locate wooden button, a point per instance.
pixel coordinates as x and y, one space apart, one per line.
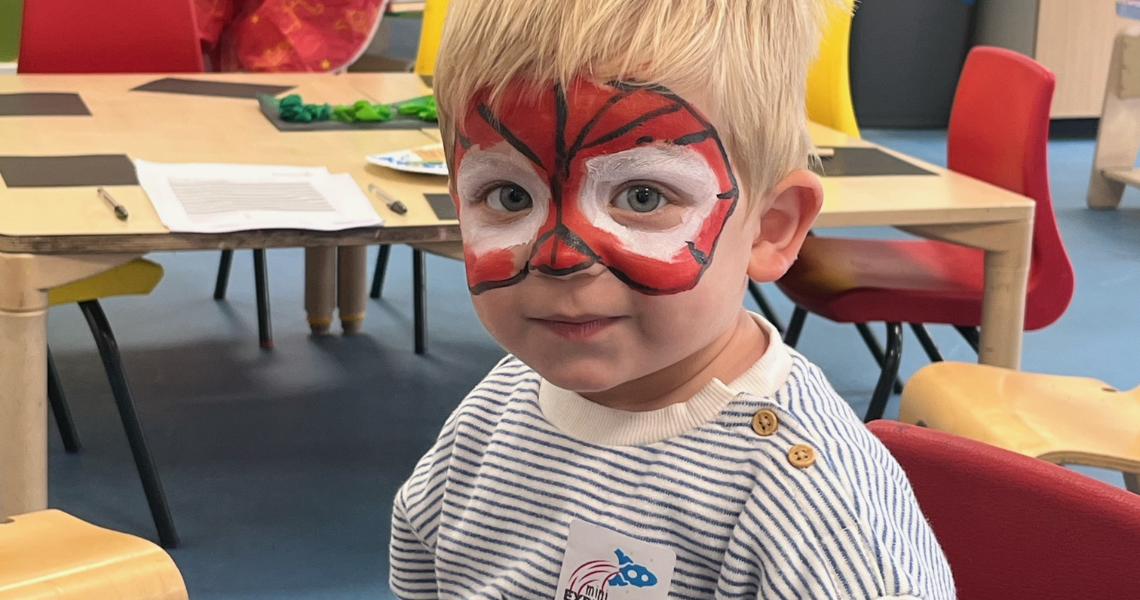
802 456
765 422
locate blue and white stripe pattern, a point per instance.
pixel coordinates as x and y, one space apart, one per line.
487 510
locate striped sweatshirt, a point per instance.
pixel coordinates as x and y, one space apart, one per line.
748 512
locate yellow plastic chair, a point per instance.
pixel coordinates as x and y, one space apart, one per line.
430 37
53 555
829 80
138 277
1059 419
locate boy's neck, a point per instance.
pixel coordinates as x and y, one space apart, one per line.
729 356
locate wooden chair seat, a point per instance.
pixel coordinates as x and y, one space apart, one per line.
1059 419
1118 131
51 555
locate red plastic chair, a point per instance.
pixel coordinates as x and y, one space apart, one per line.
1018 527
999 133
109 36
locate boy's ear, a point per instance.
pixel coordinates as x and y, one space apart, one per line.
793 205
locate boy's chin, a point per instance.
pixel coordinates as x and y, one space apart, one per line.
582 376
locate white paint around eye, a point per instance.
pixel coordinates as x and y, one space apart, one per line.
680 168
479 169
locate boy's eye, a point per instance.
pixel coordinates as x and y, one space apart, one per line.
509 198
640 198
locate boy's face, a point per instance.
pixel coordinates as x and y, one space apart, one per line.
604 232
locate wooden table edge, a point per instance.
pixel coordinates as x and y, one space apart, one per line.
282 238
959 216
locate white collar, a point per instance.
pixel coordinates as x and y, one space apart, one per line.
596 424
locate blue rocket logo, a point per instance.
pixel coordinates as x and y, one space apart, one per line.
631 573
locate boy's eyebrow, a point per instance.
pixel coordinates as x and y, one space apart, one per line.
510 137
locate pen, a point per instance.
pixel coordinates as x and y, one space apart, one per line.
393 204
120 210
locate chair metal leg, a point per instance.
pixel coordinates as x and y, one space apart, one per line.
889 374
971 335
420 300
765 307
223 274
381 271
261 283
60 409
1132 482
121 390
419 291
795 327
872 343
927 342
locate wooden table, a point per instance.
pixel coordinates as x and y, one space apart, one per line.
78 236
953 208
53 236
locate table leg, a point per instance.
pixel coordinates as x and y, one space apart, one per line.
1003 306
1008 249
24 281
23 396
352 292
320 288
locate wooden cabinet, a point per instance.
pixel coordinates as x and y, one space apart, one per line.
1071 37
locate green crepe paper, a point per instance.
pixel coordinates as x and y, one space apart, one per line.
423 108
293 109
362 110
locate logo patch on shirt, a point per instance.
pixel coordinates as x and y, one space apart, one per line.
601 564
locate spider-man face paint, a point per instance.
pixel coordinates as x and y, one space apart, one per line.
559 179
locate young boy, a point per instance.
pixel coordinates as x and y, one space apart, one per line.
620 167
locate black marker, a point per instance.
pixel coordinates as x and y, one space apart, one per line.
120 210
393 204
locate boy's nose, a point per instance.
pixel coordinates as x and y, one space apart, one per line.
562 253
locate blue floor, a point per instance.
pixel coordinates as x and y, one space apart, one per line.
280 466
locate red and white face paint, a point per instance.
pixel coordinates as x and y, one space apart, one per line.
632 177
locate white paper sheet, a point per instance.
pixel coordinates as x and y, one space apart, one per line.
219 198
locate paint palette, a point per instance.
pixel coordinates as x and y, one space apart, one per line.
428 160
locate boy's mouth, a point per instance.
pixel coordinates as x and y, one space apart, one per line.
577 327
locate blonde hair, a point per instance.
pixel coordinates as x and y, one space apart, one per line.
750 58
